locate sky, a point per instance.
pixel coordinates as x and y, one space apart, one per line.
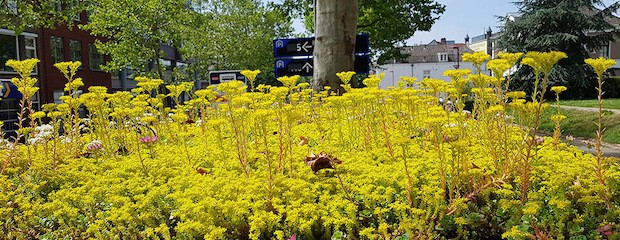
462 17
471 17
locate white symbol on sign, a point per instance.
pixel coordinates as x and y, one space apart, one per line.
279 44
307 67
280 64
304 47
6 90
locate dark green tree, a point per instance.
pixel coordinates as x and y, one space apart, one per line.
575 27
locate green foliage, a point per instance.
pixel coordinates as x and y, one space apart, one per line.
211 35
560 25
18 15
233 35
580 124
134 30
389 22
609 103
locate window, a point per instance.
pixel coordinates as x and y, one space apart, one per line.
58 50
442 57
603 51
31 47
57 95
96 59
75 50
427 74
8 50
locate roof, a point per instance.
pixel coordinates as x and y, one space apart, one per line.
428 52
613 20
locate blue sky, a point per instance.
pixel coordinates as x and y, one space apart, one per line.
467 17
462 17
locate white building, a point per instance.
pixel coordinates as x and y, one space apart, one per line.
426 61
394 71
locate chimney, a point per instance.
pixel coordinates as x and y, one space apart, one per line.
466 38
443 40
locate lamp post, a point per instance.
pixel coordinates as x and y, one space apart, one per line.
458 55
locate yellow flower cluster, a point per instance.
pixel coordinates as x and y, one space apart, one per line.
287 162
345 77
25 84
543 62
558 89
512 58
373 81
600 64
289 81
477 58
499 67
251 75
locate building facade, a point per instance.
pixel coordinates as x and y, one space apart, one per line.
484 43
426 61
12 46
69 44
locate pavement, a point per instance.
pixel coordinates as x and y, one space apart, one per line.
589 145
588 109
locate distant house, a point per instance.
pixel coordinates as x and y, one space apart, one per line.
484 43
425 61
609 50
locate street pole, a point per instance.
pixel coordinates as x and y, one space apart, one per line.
458 54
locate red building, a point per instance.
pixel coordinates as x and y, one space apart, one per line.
50 46
69 44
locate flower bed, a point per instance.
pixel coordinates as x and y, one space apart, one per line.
287 162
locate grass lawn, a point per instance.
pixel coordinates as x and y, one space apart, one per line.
581 124
612 103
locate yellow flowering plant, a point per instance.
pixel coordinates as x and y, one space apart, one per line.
345 77
286 162
600 66
251 75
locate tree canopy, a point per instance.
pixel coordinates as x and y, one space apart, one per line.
233 35
388 22
134 29
19 15
571 26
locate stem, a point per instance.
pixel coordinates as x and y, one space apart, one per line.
600 171
238 141
268 158
409 181
342 185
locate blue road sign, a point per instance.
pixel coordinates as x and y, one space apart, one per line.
9 90
292 47
305 66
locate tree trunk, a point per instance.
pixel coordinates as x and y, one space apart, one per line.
334 47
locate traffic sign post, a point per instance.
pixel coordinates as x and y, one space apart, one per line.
294 56
293 47
305 66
